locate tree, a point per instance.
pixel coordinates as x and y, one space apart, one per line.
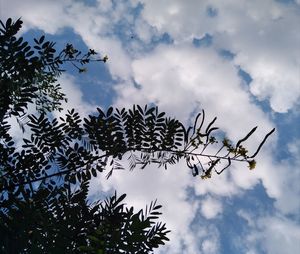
44 183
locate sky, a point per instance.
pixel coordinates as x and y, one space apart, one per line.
238 60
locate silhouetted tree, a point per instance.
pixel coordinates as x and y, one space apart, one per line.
44 179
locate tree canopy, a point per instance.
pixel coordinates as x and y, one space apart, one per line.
44 180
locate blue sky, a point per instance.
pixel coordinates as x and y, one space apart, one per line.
239 60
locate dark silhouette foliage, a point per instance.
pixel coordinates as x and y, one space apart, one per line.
44 179
29 73
60 220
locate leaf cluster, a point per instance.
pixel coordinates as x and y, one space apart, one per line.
124 231
29 73
62 221
198 140
78 149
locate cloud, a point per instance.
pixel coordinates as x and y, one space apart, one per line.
294 149
254 31
270 234
280 180
210 208
37 14
279 235
96 32
209 246
184 79
74 94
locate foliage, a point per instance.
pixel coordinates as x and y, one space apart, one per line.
61 221
125 231
53 215
44 179
29 74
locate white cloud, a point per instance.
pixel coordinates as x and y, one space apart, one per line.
280 180
271 234
105 5
294 148
221 185
144 30
255 31
36 14
96 32
209 246
280 235
182 78
75 97
211 207
246 216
